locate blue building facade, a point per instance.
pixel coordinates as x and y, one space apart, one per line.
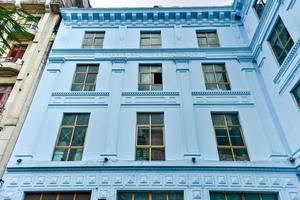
166 103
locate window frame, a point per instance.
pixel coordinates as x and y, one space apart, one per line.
230 146
214 72
215 31
57 193
150 193
83 45
84 84
151 45
70 147
152 77
297 102
255 7
272 32
242 193
150 146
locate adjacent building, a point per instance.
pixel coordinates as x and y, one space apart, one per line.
21 67
166 104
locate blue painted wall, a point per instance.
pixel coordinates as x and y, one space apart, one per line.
260 93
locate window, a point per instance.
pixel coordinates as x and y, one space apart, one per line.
150 136
85 77
58 196
150 77
208 39
93 39
230 141
150 39
16 53
70 142
296 93
242 196
215 76
259 7
5 91
159 195
281 41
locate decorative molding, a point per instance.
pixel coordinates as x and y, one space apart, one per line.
156 93
146 17
222 98
290 77
150 98
287 62
173 54
291 5
79 99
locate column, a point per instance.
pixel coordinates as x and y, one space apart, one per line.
266 113
114 108
189 131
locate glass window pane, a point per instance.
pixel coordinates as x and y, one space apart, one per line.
157 137
225 154
233 196
144 87
90 87
75 154
224 86
252 196
222 137
157 78
68 119
91 78
211 86
157 118
210 78
65 137
145 78
143 118
221 77
232 119
218 119
143 136
269 197
124 196
142 154
49 196
156 87
83 119
79 78
175 195
98 42
78 137
60 154
156 69
208 68
144 69
157 154
83 196
81 68
236 137
77 87
217 196
296 93
219 67
241 154
141 196
93 69
159 196
212 40
66 196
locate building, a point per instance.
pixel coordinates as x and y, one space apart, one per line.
21 67
165 103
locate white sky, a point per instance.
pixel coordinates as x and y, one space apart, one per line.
151 3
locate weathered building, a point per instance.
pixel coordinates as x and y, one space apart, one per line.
166 103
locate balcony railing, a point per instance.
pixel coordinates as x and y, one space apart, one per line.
10 66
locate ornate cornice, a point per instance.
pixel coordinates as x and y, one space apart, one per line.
132 17
157 93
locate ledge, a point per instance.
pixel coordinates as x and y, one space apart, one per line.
9 68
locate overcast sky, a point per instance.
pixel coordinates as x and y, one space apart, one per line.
150 3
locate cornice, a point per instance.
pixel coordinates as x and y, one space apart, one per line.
188 16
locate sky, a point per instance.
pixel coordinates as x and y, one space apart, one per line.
151 3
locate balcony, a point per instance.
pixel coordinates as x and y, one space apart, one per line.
34 6
10 66
8 4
